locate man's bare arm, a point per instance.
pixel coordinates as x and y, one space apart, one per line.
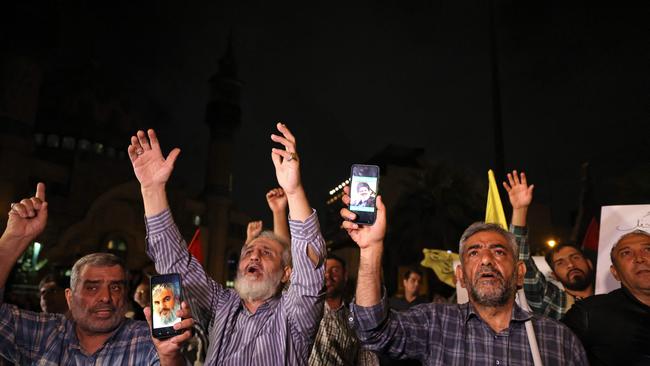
370 239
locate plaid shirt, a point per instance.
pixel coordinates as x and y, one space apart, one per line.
455 335
544 297
30 338
336 343
280 332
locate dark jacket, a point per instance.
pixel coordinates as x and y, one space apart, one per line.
614 328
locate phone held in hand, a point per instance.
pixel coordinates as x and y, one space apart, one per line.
364 185
166 299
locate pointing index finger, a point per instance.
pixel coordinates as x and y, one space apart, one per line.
40 191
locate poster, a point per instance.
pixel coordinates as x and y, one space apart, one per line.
616 221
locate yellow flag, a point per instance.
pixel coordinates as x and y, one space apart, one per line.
441 262
494 210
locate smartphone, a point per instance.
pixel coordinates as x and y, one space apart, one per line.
364 185
166 299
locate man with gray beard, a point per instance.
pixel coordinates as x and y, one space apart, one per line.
489 330
256 323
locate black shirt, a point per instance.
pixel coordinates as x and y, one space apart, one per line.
614 328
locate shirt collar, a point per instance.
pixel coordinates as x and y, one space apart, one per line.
269 304
518 314
327 307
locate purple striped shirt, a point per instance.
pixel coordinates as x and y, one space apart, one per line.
280 332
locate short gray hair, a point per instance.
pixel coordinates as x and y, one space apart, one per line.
480 226
623 237
286 246
97 260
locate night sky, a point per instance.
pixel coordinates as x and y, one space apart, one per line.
349 79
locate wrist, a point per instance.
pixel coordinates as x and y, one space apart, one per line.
173 359
155 200
372 251
152 189
519 216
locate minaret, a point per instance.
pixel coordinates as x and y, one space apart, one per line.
223 116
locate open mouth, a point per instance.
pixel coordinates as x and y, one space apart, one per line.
489 277
253 269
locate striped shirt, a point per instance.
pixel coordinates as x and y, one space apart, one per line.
30 338
280 332
544 297
337 344
452 334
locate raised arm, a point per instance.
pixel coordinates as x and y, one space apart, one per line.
165 245
400 334
253 229
27 219
306 294
370 239
277 201
520 195
20 329
543 297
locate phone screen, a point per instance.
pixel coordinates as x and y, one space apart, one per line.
364 185
166 299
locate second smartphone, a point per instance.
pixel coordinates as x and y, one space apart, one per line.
166 297
364 185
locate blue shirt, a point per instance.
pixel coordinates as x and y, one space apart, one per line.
30 338
452 334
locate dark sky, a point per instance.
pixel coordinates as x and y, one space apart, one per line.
349 79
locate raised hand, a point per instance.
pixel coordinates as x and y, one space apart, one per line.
366 236
277 200
27 218
149 165
286 162
253 229
519 192
169 350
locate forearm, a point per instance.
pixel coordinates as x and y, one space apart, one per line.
299 208
519 216
155 200
10 250
281 224
369 282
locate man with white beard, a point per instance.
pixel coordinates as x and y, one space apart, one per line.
164 302
256 323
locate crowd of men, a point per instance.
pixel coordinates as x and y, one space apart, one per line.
288 307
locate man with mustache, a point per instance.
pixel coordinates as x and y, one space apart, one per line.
164 304
256 323
569 265
96 332
489 330
336 343
615 327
